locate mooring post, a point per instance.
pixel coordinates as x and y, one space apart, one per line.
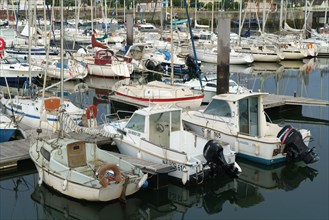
223 53
130 33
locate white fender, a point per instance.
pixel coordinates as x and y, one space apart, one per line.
64 186
142 181
139 155
40 178
184 177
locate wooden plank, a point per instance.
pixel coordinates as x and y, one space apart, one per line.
145 165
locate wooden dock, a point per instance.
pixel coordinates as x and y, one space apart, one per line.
272 100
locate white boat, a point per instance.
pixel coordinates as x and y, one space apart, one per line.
239 120
37 52
156 134
36 112
156 92
209 86
81 170
105 64
16 71
72 68
9 129
262 52
209 55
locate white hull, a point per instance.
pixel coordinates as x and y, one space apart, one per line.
117 70
59 168
235 58
27 111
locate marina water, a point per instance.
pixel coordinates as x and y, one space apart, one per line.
285 191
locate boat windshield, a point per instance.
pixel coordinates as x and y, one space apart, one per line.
136 123
218 108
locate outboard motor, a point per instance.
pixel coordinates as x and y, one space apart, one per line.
295 146
149 64
213 152
190 62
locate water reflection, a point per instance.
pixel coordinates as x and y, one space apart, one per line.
179 200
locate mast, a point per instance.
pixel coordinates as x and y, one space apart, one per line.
30 40
171 45
61 132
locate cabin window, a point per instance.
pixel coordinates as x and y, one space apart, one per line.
160 129
45 153
248 116
218 108
175 121
136 123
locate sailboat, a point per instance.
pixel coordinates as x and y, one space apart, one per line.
80 169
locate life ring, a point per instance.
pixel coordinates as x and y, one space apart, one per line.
103 180
91 111
309 45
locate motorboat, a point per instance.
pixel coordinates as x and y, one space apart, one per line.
81 170
156 134
209 86
15 71
239 120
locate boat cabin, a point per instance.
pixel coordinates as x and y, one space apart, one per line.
156 126
244 111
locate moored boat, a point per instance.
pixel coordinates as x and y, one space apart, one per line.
239 119
156 134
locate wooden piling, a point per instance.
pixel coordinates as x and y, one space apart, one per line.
223 53
130 33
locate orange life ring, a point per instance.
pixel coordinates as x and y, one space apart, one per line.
104 181
309 45
91 111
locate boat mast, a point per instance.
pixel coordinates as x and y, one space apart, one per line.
30 40
171 44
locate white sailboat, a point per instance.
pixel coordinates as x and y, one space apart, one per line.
80 169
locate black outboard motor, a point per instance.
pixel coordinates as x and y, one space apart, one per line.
213 152
190 62
149 64
295 146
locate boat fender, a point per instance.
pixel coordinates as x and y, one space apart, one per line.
40 178
64 186
184 177
103 180
309 45
91 111
139 155
142 181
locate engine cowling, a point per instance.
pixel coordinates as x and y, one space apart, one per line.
213 152
295 148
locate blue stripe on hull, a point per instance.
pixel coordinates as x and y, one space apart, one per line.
261 160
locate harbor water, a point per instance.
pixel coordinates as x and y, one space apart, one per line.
284 191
